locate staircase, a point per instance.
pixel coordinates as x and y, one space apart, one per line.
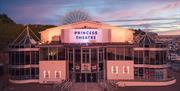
108 86
68 85
85 87
63 86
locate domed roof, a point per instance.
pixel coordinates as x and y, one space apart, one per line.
146 38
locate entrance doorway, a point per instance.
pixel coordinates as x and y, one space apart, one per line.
86 77
86 64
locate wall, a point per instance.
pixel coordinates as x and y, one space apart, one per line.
118 34
120 70
98 36
52 66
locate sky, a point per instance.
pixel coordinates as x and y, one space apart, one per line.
153 15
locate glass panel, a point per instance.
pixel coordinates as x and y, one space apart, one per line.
61 53
44 53
120 53
27 58
140 58
128 53
93 55
85 56
111 53
53 53
77 56
136 53
146 57
152 57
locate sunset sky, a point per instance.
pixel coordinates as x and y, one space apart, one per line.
156 15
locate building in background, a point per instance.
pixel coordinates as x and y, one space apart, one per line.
174 50
90 51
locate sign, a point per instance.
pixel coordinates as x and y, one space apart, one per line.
85 67
85 36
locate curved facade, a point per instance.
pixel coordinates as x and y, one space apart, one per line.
91 51
150 59
24 60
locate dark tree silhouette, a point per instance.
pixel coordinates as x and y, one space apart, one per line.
75 16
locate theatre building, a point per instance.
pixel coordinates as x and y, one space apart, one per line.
90 51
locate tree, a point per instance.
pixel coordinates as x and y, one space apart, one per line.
75 16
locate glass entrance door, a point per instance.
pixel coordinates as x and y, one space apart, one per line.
86 77
86 64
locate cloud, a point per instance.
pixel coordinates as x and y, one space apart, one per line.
164 9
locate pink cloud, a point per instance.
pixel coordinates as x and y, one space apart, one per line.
120 14
166 8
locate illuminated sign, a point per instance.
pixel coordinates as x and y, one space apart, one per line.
85 67
85 36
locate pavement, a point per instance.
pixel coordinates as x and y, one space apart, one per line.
85 87
5 86
174 87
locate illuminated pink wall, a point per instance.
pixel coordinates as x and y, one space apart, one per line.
102 36
120 70
118 34
52 66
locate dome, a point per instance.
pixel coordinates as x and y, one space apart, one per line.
25 38
146 38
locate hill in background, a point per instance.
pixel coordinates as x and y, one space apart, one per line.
173 32
5 19
9 30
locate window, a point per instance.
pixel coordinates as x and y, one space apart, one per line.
128 53
46 74
101 55
77 55
140 57
85 55
44 53
61 53
152 57
94 55
159 74
114 69
136 71
157 57
70 56
141 72
146 57
16 58
57 74
34 73
120 53
111 53
101 67
52 53
136 53
27 57
125 69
